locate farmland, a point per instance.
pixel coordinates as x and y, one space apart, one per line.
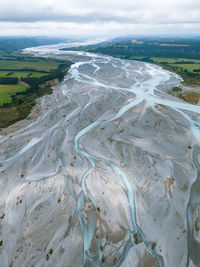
22 67
22 80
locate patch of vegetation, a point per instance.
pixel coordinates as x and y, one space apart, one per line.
176 89
8 116
188 96
191 97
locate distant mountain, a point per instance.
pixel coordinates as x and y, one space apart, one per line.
12 44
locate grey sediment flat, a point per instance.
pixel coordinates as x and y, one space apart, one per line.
107 174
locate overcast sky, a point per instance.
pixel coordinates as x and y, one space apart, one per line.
99 17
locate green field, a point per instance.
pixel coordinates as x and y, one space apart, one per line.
136 58
188 67
173 60
7 90
40 65
119 56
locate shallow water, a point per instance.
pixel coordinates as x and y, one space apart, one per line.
108 173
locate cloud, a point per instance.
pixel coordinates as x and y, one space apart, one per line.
104 15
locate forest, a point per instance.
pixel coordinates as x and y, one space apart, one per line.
9 45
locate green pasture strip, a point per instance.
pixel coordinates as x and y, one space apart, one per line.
136 58
173 60
120 56
22 74
188 67
4 73
40 65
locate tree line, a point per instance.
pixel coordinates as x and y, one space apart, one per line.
9 80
